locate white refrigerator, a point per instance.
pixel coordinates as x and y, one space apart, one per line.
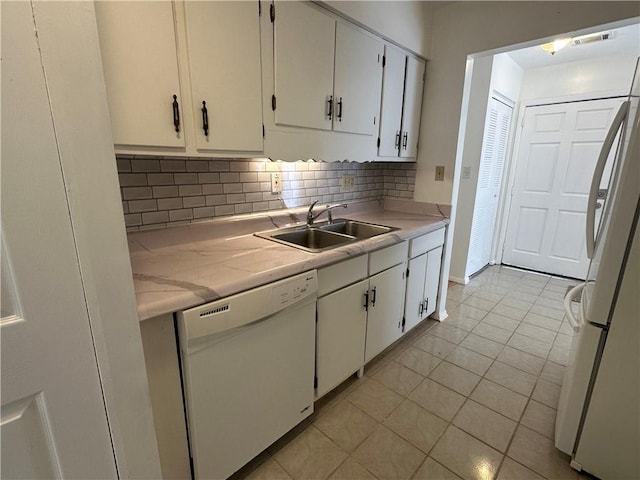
598 420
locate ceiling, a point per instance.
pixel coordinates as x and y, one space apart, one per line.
625 40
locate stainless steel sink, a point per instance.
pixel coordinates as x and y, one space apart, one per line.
356 229
324 236
313 238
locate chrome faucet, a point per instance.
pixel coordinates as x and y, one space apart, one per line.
311 217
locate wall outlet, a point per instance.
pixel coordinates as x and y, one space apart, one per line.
440 173
276 182
348 182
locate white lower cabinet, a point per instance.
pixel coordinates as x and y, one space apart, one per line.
423 278
360 308
340 335
386 301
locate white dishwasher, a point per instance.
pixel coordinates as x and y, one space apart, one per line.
248 369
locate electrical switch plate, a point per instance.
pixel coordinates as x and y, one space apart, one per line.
348 182
439 173
276 182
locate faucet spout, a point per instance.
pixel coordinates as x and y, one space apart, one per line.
311 217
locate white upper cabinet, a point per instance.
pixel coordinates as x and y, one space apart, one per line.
140 61
327 74
225 71
304 42
402 88
358 76
391 108
412 107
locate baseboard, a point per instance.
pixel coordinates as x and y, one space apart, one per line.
459 280
440 316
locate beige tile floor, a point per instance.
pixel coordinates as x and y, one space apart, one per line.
473 397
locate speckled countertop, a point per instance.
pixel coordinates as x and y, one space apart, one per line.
181 267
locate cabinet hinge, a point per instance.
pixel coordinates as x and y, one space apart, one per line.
272 12
374 119
378 142
315 381
273 103
404 322
384 60
259 8
407 273
263 130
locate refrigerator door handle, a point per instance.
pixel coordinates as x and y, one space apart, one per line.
575 292
597 177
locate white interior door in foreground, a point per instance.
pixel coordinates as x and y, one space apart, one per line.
54 423
556 157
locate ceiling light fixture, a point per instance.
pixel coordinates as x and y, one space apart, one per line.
553 47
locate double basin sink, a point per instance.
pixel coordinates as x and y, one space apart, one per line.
319 237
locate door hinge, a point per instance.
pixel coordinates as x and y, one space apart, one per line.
315 381
378 142
259 8
272 12
263 130
273 103
384 61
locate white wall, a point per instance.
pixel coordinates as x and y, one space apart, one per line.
68 39
506 77
463 28
597 77
407 23
491 74
472 149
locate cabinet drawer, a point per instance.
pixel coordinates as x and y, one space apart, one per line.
387 257
341 274
426 242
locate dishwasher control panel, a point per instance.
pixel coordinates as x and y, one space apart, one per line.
289 291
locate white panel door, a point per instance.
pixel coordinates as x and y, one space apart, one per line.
358 77
494 148
340 335
53 420
140 61
391 107
412 107
386 305
304 42
558 150
225 74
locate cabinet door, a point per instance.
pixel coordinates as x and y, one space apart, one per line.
304 41
386 305
140 61
391 108
341 330
414 299
358 75
224 63
434 259
414 83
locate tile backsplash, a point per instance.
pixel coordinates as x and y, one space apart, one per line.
161 191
